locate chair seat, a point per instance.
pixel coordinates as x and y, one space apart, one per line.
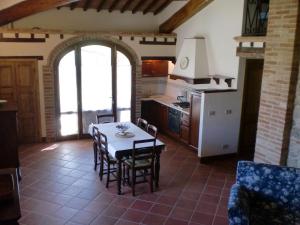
111 158
138 163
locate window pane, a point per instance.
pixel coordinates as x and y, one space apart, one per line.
68 94
96 78
123 86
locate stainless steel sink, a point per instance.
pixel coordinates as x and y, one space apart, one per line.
183 105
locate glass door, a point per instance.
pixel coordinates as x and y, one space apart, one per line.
92 79
68 114
124 88
96 83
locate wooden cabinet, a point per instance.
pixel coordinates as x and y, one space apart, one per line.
155 68
185 128
195 119
156 114
8 138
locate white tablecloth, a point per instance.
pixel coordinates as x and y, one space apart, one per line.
120 143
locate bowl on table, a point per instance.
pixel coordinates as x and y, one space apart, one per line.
122 127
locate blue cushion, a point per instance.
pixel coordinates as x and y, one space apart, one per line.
273 195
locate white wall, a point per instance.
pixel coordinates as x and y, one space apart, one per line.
219 22
90 20
155 85
218 128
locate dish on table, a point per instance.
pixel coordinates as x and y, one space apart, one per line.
125 134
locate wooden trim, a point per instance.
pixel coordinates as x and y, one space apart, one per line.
37 57
191 80
74 32
250 39
26 40
182 15
155 42
169 58
28 8
248 52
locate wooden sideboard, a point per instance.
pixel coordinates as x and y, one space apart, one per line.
9 157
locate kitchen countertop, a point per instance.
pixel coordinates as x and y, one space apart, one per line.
168 101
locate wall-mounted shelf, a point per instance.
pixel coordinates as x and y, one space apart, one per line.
191 80
204 80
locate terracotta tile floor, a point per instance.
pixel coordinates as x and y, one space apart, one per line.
60 186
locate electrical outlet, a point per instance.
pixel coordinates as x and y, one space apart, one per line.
212 113
228 111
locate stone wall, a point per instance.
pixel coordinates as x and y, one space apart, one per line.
294 149
279 83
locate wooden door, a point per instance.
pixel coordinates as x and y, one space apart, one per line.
7 82
251 101
19 85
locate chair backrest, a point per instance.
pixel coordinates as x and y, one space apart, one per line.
102 144
276 183
142 123
143 149
105 118
152 130
94 132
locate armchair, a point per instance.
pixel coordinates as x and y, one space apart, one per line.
265 195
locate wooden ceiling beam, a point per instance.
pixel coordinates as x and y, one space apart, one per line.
73 5
113 5
100 5
150 6
187 11
28 8
125 6
138 6
162 6
87 5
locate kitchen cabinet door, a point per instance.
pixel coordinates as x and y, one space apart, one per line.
155 68
195 119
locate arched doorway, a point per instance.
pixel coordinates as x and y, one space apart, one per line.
94 77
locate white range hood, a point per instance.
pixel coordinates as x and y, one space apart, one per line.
192 62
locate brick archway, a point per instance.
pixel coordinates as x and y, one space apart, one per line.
50 72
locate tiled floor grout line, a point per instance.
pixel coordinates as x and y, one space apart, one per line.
202 192
219 202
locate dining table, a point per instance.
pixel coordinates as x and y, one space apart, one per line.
120 146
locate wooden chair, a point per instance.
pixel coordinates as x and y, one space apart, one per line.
105 118
10 211
95 146
142 159
106 159
142 123
152 130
